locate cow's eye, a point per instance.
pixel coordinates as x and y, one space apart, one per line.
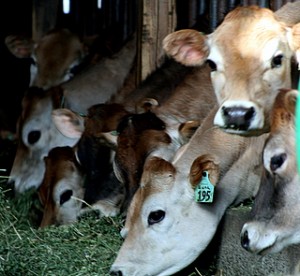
277 161
65 196
212 65
33 136
277 61
156 216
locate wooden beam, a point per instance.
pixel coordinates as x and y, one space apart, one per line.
158 19
44 15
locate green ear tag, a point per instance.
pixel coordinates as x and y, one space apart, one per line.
204 192
114 133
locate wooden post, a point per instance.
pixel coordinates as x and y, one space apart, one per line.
44 14
158 18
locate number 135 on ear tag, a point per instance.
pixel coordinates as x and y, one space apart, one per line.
204 192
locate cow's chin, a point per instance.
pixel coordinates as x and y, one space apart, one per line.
242 132
274 249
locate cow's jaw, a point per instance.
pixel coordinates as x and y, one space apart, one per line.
274 231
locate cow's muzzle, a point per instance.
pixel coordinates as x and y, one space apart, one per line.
239 117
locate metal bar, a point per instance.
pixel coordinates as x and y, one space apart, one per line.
213 14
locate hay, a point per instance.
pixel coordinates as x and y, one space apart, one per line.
87 247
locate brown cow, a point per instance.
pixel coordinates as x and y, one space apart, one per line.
276 210
54 56
62 188
175 97
250 56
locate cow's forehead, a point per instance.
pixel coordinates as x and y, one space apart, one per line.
154 185
248 34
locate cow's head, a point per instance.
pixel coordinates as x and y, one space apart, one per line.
54 56
250 58
37 135
276 211
62 191
138 136
162 222
143 135
95 151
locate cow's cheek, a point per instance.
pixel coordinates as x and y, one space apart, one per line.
218 82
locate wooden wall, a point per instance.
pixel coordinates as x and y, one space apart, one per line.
157 19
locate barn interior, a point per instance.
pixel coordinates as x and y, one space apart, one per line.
115 21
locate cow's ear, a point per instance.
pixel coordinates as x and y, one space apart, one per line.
68 123
146 104
188 129
290 101
188 47
158 173
203 163
19 45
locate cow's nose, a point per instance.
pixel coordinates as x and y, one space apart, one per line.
116 273
238 117
245 240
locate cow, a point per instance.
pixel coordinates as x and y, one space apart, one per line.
138 136
164 225
36 132
54 56
250 55
61 53
175 112
62 189
274 223
91 158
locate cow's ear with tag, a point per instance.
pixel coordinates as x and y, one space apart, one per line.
68 123
204 163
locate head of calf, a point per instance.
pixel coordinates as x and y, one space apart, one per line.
138 136
250 56
62 188
160 217
37 135
276 211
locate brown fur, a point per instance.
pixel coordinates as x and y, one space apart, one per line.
59 163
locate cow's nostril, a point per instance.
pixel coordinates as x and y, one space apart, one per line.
245 240
116 273
249 113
